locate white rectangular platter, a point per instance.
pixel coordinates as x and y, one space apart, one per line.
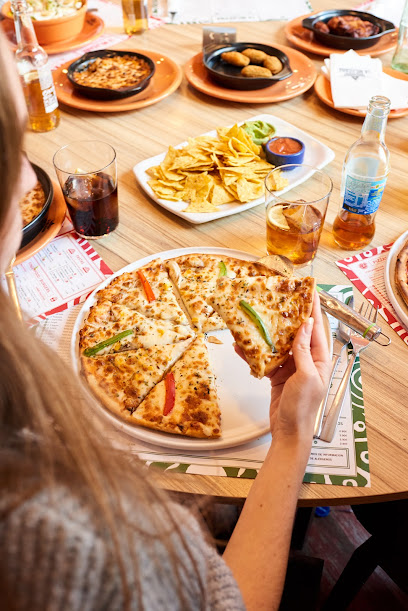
317 155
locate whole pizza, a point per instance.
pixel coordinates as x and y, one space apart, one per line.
401 272
143 344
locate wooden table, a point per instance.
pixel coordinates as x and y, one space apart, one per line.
145 228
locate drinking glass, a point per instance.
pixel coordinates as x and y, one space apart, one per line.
294 219
135 16
87 174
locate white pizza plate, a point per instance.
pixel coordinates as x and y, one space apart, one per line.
244 399
397 302
317 155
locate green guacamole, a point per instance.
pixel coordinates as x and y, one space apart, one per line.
259 131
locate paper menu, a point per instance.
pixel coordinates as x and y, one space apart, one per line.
62 274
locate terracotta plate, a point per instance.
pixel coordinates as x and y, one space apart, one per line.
93 27
323 91
55 218
165 81
304 39
303 77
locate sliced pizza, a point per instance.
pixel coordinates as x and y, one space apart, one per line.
32 204
401 273
112 327
122 380
264 314
147 290
185 401
195 277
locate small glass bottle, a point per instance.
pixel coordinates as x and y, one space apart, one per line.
35 74
365 172
400 59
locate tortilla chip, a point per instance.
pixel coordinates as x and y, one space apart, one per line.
211 171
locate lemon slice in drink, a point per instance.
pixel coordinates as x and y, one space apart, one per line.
277 218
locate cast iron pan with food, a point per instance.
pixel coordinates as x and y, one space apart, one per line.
347 42
100 93
229 76
35 226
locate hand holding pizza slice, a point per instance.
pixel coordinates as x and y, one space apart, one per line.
264 315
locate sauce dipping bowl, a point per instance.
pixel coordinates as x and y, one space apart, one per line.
282 157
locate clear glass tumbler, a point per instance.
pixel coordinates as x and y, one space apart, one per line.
87 173
135 16
295 218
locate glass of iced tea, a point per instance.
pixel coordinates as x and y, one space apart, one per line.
295 215
87 174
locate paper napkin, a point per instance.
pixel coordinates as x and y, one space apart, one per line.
356 78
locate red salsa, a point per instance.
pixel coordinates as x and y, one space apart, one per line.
285 146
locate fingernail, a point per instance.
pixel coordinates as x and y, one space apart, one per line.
309 326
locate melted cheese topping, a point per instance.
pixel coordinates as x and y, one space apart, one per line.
118 72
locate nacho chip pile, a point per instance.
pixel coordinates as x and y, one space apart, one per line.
211 171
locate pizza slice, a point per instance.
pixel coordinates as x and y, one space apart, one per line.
121 381
147 290
401 273
185 401
264 314
195 277
112 327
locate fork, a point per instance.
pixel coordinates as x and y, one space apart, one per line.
339 343
359 343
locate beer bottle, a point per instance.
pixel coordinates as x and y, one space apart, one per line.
365 171
35 74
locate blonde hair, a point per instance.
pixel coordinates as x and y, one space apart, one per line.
46 438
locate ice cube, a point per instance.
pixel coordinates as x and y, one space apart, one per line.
302 218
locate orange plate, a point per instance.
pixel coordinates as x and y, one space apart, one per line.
304 75
93 28
165 81
323 92
304 39
55 218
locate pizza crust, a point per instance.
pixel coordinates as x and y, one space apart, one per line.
401 273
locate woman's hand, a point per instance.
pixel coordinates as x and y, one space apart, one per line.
299 385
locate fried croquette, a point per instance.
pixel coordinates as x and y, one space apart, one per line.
235 58
255 56
256 72
273 64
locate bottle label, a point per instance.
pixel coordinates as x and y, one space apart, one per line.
363 196
48 89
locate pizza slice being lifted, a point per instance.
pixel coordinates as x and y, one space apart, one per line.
122 380
185 401
264 314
